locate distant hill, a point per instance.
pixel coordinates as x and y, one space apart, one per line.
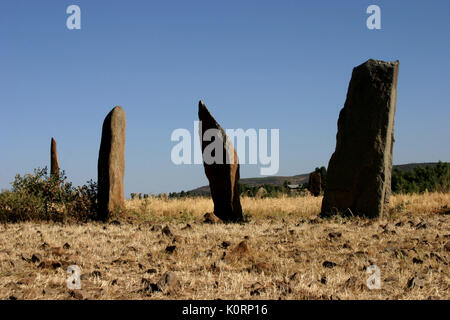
298 179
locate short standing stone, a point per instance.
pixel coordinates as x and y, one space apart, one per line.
111 164
315 183
223 177
261 193
359 171
54 163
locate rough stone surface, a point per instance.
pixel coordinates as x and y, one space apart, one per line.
261 193
359 171
111 164
54 163
223 178
169 283
315 183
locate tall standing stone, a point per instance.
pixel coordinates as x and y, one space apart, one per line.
111 164
315 183
359 171
54 163
223 177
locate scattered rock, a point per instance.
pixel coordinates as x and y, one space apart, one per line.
115 223
225 244
25 281
24 258
256 289
323 280
391 279
417 261
399 224
170 249
156 227
422 225
49 265
211 218
58 251
284 288
295 277
36 257
76 294
66 246
167 232
150 271
351 282
447 246
262 267
415 282
329 264
169 283
96 273
334 235
187 227
242 249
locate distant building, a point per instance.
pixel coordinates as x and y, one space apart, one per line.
293 187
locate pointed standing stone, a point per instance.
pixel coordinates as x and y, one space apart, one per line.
359 171
223 177
111 164
54 163
315 183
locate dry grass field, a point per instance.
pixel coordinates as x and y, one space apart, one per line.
164 250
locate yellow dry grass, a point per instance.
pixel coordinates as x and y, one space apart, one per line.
289 253
193 209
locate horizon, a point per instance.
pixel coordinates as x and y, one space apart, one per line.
257 64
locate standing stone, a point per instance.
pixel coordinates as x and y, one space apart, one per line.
359 171
223 177
54 163
111 164
261 193
315 183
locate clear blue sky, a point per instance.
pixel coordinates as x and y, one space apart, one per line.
256 64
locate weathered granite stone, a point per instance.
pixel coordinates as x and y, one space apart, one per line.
111 164
315 183
223 177
359 171
261 193
54 163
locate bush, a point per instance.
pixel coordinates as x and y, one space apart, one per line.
40 196
431 178
82 204
17 206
